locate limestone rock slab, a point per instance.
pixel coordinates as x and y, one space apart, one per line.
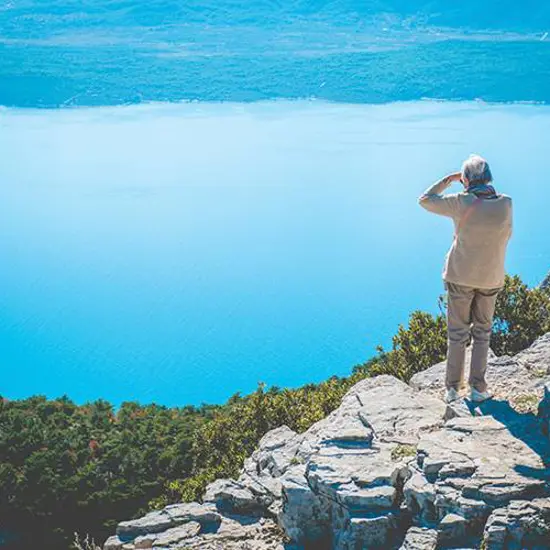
420 538
154 522
522 524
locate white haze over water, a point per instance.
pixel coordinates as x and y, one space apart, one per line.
179 253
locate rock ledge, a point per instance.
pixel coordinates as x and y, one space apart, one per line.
392 467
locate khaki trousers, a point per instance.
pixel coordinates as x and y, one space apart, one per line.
469 311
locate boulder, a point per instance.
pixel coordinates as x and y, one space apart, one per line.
351 484
369 531
239 533
175 535
304 515
231 496
521 524
144 541
452 528
113 543
257 491
193 511
472 466
154 522
536 358
460 407
274 454
420 538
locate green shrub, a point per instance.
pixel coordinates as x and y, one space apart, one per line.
522 315
65 467
402 451
414 348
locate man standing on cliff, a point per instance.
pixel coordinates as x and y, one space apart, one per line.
474 268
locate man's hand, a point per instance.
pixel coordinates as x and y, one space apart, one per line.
455 176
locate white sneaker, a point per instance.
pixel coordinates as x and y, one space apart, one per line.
451 395
479 396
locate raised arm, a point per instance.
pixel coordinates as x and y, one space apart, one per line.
433 199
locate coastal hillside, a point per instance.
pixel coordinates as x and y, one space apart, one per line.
392 467
67 468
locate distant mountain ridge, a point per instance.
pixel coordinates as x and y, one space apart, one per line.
54 54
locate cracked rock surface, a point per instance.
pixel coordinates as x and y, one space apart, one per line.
393 467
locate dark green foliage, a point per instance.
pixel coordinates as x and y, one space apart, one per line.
67 468
522 315
417 347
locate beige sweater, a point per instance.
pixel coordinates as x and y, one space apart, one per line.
482 231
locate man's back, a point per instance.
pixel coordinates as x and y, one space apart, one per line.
483 227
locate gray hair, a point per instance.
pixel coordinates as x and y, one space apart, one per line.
476 169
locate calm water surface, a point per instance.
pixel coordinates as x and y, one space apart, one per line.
266 227
180 253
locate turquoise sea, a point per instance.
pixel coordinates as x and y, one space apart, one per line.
195 197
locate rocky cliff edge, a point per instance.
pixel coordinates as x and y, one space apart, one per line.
392 467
